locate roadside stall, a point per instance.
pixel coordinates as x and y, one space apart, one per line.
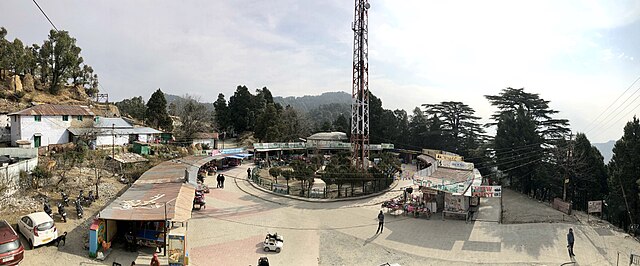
178 247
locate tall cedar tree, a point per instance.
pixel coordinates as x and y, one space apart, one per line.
461 131
221 113
525 131
156 115
623 176
241 110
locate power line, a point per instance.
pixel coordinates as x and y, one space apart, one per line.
603 126
45 15
612 103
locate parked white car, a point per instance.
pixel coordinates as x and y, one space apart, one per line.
272 245
38 228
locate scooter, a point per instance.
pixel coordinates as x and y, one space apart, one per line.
48 209
79 210
90 198
65 198
199 200
62 212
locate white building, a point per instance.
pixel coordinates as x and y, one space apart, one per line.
204 138
5 128
115 131
48 123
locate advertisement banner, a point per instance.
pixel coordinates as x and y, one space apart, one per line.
448 157
595 206
455 165
486 191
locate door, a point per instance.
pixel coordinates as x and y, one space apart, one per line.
36 141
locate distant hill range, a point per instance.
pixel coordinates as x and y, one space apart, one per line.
175 99
606 149
310 102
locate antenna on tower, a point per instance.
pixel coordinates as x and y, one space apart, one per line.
360 88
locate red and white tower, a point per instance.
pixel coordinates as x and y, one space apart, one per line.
360 89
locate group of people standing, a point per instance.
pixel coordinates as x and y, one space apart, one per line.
220 179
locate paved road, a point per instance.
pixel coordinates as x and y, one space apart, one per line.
230 231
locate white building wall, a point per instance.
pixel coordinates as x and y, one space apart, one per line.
15 129
5 128
108 140
10 174
51 129
209 142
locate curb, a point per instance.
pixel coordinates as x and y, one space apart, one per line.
390 188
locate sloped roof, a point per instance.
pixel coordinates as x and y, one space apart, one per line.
52 109
205 135
336 136
108 122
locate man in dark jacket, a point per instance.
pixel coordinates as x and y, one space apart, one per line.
218 181
222 181
380 222
570 241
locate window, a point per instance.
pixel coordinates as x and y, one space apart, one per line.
37 118
79 118
65 118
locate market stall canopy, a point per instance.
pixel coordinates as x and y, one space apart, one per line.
426 159
152 202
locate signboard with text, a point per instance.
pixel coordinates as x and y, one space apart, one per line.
594 206
448 157
486 191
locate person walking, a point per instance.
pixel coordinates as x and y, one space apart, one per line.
218 181
222 181
249 173
570 241
155 261
380 222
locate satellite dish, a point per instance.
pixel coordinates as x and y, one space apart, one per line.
367 5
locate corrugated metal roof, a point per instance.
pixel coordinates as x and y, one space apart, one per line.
146 130
52 109
108 131
152 202
161 185
328 136
109 122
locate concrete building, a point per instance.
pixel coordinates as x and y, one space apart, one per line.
114 131
208 139
5 128
48 123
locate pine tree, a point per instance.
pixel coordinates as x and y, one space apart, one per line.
623 177
156 114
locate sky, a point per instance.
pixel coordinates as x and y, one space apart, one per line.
579 55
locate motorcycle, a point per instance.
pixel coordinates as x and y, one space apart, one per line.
48 209
65 198
79 210
90 198
199 200
62 212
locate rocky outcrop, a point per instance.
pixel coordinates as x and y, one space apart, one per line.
16 84
28 83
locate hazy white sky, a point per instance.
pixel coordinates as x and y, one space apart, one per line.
580 55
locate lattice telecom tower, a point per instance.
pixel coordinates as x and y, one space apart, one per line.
360 89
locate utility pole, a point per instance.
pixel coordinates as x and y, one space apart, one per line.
113 141
567 167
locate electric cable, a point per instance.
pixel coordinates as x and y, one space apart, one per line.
45 15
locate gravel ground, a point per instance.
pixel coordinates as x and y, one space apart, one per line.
518 208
